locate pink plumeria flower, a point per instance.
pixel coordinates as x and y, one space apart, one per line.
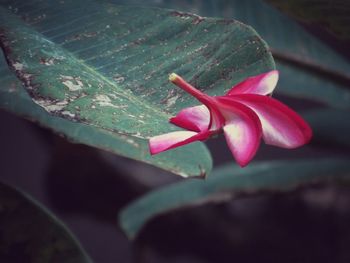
244 114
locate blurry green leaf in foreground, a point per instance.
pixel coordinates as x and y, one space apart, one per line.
334 15
107 66
229 181
29 233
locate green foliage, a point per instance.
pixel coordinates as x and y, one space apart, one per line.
333 15
186 161
230 181
309 68
106 71
29 233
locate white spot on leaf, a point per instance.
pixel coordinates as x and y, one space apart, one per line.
47 61
51 106
18 66
72 115
171 101
105 101
72 83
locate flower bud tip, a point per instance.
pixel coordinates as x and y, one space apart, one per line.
173 77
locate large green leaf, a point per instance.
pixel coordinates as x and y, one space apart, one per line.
29 233
185 161
309 68
230 181
107 66
333 15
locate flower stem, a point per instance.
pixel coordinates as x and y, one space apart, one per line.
181 83
216 119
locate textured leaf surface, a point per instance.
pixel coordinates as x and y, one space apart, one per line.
186 161
309 68
114 72
334 15
107 65
230 181
29 233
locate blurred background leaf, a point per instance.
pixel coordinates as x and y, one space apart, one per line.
331 128
231 181
333 15
30 233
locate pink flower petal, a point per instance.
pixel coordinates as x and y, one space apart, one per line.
194 118
216 120
262 84
172 140
242 130
281 125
